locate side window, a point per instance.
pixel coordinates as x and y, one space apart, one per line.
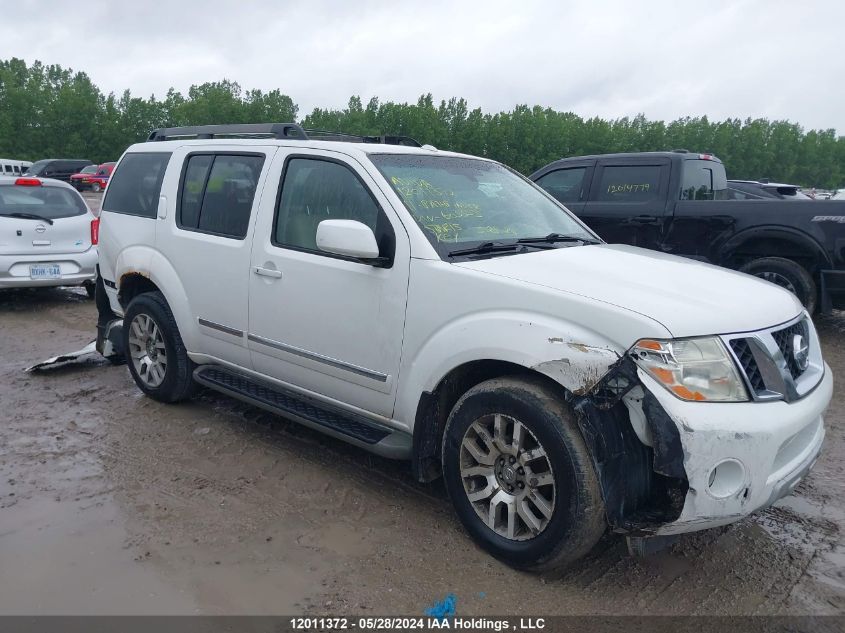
314 190
217 193
8 169
136 185
17 170
628 183
697 182
564 184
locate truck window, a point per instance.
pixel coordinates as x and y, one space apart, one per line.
217 193
136 185
628 183
315 190
565 185
703 180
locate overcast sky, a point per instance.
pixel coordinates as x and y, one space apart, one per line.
781 60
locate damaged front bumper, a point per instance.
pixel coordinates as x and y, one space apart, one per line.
739 457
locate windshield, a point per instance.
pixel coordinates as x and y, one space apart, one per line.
45 202
89 170
470 202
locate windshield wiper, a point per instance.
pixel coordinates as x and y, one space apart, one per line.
551 238
486 247
28 216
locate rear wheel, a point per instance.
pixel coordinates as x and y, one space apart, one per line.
788 275
520 475
157 358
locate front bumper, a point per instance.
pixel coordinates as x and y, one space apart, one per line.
774 443
76 269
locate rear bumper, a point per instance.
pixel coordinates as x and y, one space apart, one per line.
76 269
769 446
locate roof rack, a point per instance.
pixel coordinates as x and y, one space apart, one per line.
281 131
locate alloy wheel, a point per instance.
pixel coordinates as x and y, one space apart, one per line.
507 477
147 350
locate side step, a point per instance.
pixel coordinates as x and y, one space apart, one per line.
352 428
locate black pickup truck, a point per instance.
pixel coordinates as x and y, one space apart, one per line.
678 202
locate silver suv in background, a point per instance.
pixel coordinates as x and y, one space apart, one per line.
48 236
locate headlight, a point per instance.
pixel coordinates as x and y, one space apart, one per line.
692 369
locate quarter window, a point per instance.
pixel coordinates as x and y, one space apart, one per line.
136 185
217 193
317 190
629 183
564 184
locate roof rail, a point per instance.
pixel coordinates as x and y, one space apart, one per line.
282 131
276 130
385 139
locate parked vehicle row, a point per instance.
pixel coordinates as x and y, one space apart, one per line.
92 177
437 307
12 167
681 203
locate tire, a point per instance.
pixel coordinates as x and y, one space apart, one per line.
574 520
786 274
91 289
96 188
172 380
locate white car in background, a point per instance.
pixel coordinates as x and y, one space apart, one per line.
839 195
48 235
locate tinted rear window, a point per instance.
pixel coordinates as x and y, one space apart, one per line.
135 186
629 183
47 202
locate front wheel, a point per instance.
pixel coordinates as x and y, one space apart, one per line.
788 275
157 358
520 475
96 188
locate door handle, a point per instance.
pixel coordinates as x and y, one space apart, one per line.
644 219
267 272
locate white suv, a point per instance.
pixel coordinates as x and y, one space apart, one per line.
48 236
437 307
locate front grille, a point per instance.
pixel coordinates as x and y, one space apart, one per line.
783 338
749 364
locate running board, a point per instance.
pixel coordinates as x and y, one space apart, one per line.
343 425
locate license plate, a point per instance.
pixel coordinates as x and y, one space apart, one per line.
45 271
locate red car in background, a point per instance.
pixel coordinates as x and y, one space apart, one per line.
93 177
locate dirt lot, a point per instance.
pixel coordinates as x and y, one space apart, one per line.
113 503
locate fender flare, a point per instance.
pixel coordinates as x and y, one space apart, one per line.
789 234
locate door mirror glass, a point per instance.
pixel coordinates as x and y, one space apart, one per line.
347 237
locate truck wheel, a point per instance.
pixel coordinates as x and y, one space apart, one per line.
157 358
786 274
520 475
96 187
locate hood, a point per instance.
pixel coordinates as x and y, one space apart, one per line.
687 297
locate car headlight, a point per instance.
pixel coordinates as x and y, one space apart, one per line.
692 369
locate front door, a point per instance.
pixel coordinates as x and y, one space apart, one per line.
327 324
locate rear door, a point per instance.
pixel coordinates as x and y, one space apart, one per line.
569 183
208 237
627 203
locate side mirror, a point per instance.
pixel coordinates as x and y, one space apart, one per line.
347 237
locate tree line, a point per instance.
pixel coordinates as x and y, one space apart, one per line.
47 111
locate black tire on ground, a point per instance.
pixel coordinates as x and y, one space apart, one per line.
578 520
96 187
786 274
178 383
91 289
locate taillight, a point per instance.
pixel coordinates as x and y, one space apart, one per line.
95 231
28 182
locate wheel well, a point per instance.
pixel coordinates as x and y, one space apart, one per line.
434 408
800 251
133 284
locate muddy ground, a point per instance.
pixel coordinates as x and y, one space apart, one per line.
113 503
